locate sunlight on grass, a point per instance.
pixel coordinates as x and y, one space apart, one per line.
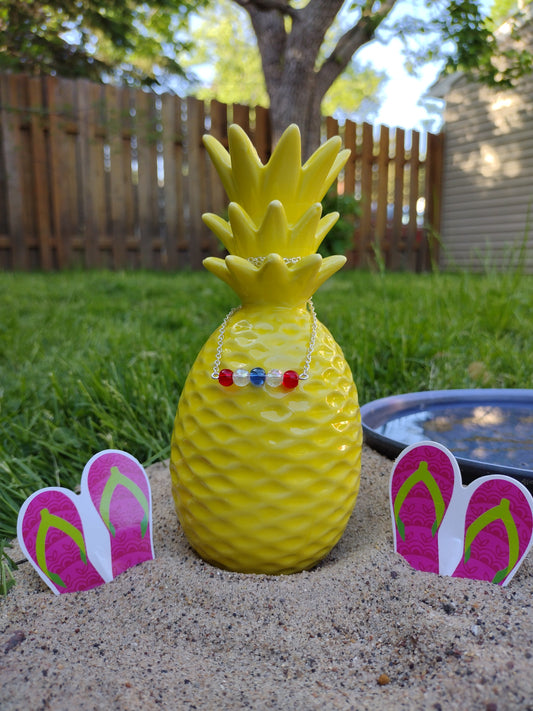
98 359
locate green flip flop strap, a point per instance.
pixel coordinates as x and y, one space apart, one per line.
116 478
503 513
48 521
421 475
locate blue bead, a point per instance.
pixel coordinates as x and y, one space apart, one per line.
257 376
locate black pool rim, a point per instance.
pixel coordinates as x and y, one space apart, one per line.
376 413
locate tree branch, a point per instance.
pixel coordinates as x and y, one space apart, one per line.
317 17
360 34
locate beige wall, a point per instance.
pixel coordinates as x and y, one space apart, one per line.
488 176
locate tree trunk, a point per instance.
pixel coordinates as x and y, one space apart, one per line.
289 40
291 103
289 56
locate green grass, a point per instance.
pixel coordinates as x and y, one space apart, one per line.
96 360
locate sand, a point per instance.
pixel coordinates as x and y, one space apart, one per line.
361 631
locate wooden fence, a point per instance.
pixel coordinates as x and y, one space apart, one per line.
100 176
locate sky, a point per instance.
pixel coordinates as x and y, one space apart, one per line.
402 92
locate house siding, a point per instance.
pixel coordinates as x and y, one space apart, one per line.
487 197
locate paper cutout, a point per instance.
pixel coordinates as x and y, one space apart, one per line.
482 531
80 541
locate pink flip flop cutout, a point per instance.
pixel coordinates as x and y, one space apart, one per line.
482 531
77 542
498 530
120 492
51 535
421 487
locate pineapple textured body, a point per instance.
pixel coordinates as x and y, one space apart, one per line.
265 479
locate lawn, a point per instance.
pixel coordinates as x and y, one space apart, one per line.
91 360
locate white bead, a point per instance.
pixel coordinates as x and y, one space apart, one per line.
241 377
274 378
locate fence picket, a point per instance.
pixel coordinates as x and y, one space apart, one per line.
219 128
118 183
4 228
196 178
364 244
263 136
149 241
397 247
13 156
55 173
413 249
381 242
172 142
40 173
67 144
101 176
433 190
241 116
350 137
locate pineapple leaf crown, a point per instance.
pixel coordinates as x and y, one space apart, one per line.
275 215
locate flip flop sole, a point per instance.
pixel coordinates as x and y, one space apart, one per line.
421 487
119 490
50 533
498 530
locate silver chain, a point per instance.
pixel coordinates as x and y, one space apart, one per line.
259 261
310 348
220 342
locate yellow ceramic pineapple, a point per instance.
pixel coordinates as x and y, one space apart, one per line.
266 446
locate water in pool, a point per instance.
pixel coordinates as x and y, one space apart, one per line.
486 433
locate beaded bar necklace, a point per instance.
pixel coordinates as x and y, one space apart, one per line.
258 376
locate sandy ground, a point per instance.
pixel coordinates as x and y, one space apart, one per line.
361 631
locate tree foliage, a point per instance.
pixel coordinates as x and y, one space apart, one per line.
133 41
224 56
502 10
477 49
355 94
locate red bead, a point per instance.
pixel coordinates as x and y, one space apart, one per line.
290 379
225 377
